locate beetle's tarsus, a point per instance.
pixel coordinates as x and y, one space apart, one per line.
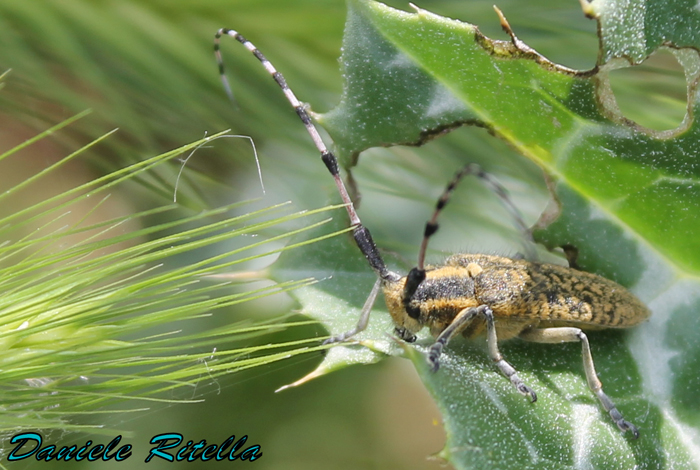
627 426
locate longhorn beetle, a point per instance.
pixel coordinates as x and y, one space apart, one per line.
473 294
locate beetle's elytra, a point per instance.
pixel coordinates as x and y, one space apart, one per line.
473 294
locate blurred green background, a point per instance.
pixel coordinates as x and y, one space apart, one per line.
147 68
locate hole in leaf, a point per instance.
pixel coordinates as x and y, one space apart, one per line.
652 94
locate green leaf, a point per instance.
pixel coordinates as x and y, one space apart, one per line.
337 299
628 197
623 171
634 30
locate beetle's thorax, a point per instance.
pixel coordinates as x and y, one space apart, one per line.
445 291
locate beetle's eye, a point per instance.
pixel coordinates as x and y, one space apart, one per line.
413 311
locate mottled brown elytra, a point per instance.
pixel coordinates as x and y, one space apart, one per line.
473 294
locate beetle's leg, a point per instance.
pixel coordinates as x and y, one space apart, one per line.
364 317
571 253
505 367
460 322
568 334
